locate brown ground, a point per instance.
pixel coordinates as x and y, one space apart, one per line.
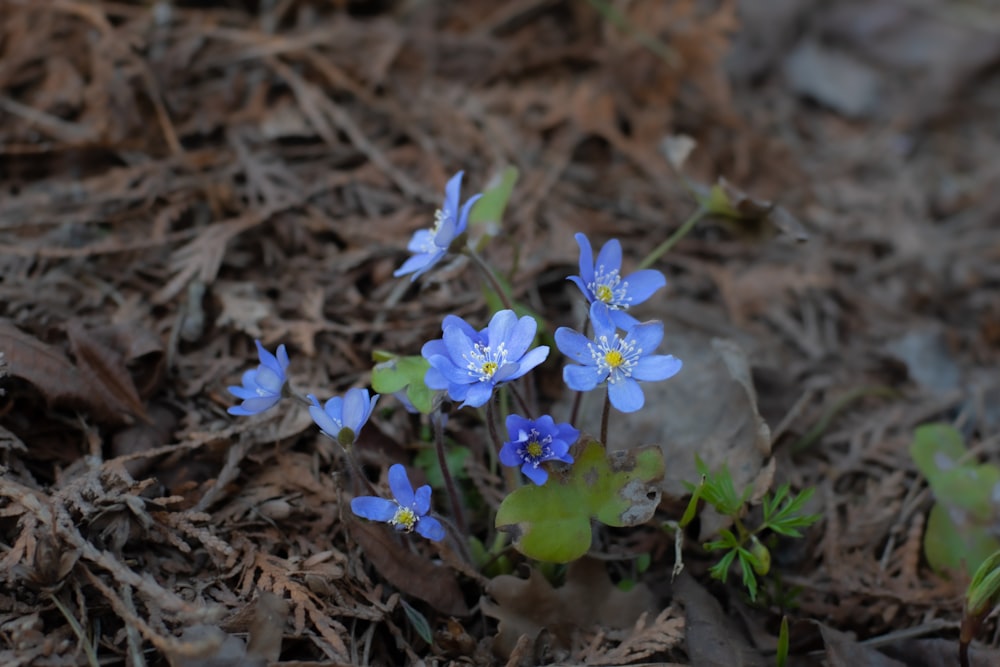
177 179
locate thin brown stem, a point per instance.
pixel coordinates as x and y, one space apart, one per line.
605 414
491 278
520 401
456 506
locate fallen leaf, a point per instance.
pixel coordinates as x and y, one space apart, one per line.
842 650
529 606
713 639
410 573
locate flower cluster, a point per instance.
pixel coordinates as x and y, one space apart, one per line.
469 365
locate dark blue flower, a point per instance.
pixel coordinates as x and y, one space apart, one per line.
407 512
469 363
431 245
534 441
618 360
342 418
603 284
262 386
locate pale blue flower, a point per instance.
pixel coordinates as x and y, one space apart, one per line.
618 360
469 363
431 245
407 512
603 284
342 418
534 441
262 386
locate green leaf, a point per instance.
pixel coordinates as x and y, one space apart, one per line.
552 522
937 448
787 519
984 589
749 578
718 491
955 546
493 203
418 622
781 657
394 373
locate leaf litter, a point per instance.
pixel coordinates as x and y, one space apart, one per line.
178 177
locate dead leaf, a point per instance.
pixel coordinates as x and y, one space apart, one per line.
842 650
411 574
105 368
713 640
529 606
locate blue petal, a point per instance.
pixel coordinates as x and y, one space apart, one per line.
420 242
422 501
626 395
642 284
463 218
537 475
508 455
657 367
434 379
323 420
400 485
500 328
430 528
434 347
610 257
515 424
531 360
452 195
646 336
586 260
451 373
567 434
508 371
574 345
283 358
582 378
478 394
583 287
460 347
600 319
268 380
418 265
456 321
266 358
252 406
374 508
622 319
521 336
355 408
241 392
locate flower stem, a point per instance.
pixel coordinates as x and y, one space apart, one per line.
456 507
520 400
579 395
605 414
491 278
682 231
509 474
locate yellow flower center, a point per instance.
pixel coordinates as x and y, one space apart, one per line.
404 517
613 358
604 294
489 368
534 449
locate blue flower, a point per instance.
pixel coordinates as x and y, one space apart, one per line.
604 284
407 512
261 386
431 245
470 363
618 360
535 441
342 418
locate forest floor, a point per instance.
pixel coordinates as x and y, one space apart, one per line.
180 179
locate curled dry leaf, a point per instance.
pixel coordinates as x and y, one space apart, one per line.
529 606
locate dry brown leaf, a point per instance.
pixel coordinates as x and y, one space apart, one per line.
529 606
713 639
411 574
105 368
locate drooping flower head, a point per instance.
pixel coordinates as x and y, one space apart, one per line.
342 418
407 512
618 360
603 284
263 385
431 245
469 363
534 441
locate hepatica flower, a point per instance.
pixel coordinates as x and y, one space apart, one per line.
431 245
262 386
469 363
532 442
342 418
603 284
407 512
621 361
